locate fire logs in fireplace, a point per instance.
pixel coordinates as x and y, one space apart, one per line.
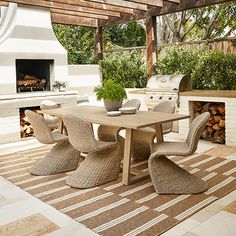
215 128
30 83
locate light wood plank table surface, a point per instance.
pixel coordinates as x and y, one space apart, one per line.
97 115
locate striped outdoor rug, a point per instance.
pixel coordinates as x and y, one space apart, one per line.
115 209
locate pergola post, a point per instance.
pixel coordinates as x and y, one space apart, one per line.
151 41
98 43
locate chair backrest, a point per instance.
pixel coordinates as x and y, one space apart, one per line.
166 107
48 104
41 129
80 133
132 103
195 131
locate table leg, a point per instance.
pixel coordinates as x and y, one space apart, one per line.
159 134
61 125
127 156
126 177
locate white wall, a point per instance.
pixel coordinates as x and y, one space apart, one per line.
84 78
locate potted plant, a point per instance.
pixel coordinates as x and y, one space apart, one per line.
112 95
59 86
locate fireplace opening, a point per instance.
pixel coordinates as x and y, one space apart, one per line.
33 75
26 129
215 127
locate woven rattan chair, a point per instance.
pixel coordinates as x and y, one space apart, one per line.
101 165
143 138
167 177
62 157
52 121
111 134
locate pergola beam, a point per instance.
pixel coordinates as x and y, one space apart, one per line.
98 43
156 3
65 6
95 6
73 20
125 4
151 41
82 14
170 7
105 13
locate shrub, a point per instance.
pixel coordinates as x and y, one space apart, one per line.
208 70
125 68
178 61
215 70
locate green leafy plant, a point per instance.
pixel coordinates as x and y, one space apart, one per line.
207 69
215 70
110 91
178 61
59 84
125 68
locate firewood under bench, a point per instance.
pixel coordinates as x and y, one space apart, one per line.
221 127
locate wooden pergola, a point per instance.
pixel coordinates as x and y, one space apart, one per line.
105 13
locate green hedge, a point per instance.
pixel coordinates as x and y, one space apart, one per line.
208 70
125 68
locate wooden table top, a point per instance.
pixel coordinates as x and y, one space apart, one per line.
97 115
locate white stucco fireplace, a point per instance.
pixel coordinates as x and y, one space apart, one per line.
29 51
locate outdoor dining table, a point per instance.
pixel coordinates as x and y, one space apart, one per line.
130 122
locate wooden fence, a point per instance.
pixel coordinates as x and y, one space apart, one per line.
225 45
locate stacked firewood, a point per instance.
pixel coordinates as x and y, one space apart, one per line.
26 129
215 128
29 82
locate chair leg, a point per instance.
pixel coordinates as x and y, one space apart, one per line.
62 158
99 167
169 178
141 146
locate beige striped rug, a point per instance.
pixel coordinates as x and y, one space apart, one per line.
115 209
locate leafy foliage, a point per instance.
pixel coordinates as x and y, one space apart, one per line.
126 35
78 41
208 70
179 60
110 90
125 68
215 70
59 84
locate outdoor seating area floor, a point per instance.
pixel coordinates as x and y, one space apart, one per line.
115 209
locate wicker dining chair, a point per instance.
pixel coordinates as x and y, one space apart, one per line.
111 134
169 178
143 138
101 165
52 121
62 157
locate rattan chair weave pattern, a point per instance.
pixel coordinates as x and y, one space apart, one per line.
169 178
61 158
102 163
143 138
53 122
